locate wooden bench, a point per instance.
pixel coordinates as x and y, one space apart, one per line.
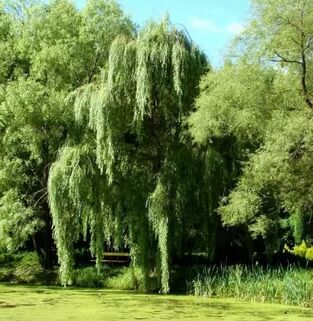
115 257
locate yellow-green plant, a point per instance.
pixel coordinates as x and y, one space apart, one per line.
302 250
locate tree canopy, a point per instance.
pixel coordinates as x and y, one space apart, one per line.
120 137
49 50
268 112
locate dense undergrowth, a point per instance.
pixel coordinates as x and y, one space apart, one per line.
26 268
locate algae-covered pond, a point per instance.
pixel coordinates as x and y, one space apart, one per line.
23 303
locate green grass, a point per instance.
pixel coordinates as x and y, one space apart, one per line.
31 303
291 285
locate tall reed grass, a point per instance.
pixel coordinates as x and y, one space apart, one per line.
292 285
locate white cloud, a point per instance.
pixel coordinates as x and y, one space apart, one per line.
204 24
211 26
235 28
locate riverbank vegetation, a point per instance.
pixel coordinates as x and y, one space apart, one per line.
115 137
291 285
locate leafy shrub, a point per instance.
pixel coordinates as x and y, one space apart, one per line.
6 274
128 279
28 269
302 250
88 277
6 258
309 254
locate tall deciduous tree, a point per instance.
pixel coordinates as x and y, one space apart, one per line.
267 111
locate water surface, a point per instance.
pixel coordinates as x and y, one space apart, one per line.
31 303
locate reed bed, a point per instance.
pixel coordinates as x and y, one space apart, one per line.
288 285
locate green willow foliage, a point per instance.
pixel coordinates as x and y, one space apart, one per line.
134 114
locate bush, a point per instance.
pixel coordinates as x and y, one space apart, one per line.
6 274
302 250
126 278
24 267
88 277
28 269
5 258
130 278
10 259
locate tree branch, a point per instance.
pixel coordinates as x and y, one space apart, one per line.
303 81
303 65
303 58
284 59
95 64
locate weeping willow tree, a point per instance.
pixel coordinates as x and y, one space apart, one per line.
119 182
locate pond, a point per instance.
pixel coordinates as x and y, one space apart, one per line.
32 303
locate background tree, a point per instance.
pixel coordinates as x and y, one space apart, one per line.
266 111
51 49
281 32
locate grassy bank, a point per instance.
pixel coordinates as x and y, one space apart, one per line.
291 285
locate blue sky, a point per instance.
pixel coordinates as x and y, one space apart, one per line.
211 23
